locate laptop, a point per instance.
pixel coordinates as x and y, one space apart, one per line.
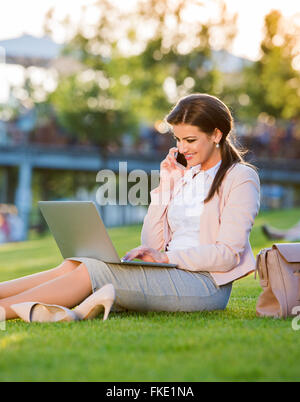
79 231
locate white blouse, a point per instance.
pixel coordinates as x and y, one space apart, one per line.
186 206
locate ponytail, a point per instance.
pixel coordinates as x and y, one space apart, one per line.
230 155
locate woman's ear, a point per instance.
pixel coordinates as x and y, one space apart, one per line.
217 135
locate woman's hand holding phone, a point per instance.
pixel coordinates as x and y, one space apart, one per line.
170 172
170 169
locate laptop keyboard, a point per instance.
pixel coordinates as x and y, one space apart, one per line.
151 264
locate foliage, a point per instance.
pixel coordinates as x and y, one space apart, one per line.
86 111
272 83
133 74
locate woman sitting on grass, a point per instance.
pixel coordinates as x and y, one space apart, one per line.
199 218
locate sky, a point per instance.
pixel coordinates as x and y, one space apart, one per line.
26 16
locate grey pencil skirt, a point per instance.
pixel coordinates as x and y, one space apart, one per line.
143 288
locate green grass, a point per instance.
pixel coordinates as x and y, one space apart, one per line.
230 345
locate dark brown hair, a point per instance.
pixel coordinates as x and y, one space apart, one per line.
207 112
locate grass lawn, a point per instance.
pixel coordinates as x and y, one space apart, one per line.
232 345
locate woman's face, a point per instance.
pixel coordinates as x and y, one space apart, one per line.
196 145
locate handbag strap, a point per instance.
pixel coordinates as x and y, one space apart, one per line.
261 267
257 263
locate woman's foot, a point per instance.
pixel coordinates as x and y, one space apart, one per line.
95 303
39 312
90 308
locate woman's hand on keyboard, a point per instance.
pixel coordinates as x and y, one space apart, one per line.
146 254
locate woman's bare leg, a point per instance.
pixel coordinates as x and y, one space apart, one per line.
19 285
67 290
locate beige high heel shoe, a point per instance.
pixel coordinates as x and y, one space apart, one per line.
88 309
93 305
40 312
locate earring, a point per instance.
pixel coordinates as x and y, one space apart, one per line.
217 145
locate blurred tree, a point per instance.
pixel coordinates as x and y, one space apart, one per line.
135 62
273 83
177 57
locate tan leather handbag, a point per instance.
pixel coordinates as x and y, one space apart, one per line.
279 273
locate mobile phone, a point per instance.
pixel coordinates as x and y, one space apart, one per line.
180 158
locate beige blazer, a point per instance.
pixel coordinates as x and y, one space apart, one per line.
225 226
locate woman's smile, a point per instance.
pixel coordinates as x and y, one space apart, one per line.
188 156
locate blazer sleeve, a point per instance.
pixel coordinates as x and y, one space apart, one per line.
152 234
236 221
